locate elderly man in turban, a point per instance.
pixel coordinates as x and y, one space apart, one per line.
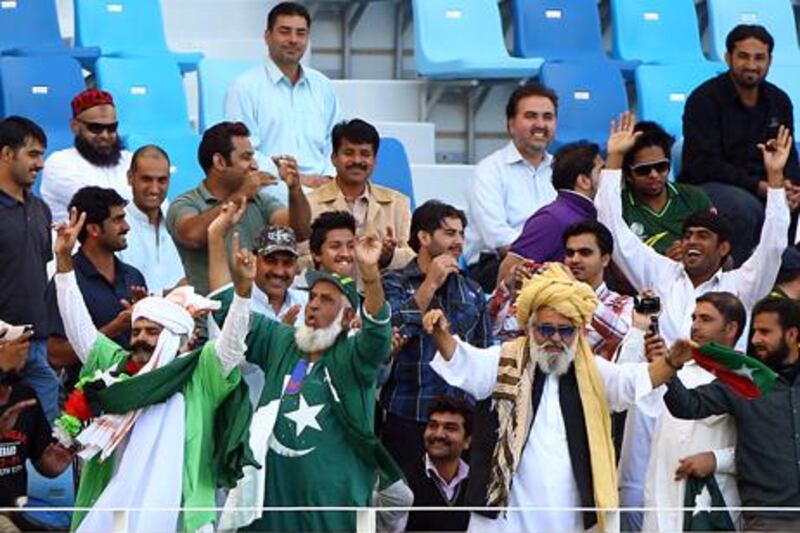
551 397
151 446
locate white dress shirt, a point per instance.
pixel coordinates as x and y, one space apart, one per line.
676 439
66 171
544 477
151 250
285 118
260 304
646 268
503 193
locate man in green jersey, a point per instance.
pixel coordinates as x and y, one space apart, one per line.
652 206
312 428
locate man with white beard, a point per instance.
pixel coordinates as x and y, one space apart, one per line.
549 393
312 430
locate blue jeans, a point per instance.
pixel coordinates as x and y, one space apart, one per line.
39 375
745 212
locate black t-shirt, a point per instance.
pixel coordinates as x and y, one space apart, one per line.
27 440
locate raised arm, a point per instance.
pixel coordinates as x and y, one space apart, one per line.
368 251
78 326
757 275
228 216
230 345
299 215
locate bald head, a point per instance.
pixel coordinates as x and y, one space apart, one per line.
149 179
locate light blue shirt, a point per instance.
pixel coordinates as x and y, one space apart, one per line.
284 118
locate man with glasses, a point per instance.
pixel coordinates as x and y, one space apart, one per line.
97 159
652 206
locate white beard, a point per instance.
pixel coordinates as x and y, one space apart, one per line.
312 340
552 363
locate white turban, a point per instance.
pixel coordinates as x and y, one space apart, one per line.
174 311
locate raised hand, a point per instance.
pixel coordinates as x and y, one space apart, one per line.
14 354
244 268
435 320
230 214
621 138
775 153
387 248
137 293
440 267
368 249
253 183
67 233
290 316
681 352
287 170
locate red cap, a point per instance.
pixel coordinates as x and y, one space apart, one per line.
88 99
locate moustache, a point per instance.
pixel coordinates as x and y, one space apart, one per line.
357 165
142 346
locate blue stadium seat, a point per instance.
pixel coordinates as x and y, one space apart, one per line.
463 39
214 76
185 171
590 96
30 27
392 168
148 94
662 90
560 30
644 29
41 88
775 15
127 28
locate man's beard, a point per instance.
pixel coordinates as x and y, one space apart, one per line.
775 360
97 157
312 340
141 352
556 363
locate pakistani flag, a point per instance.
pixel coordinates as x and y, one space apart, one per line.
746 375
703 495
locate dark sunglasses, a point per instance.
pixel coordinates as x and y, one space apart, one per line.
547 331
97 128
645 168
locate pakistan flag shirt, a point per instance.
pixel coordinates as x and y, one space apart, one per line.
310 461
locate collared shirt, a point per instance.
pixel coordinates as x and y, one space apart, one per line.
260 303
102 298
66 171
661 230
721 134
610 321
412 384
359 206
25 249
645 268
448 488
286 118
541 239
767 438
199 200
151 250
504 192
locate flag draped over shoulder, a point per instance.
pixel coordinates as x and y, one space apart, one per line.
746 375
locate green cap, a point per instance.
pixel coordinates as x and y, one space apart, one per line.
346 284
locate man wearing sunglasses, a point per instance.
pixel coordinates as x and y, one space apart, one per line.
96 159
652 206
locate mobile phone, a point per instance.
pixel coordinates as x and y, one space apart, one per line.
653 328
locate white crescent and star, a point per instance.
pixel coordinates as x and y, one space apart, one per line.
702 502
744 371
303 417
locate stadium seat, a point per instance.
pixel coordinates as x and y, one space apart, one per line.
560 30
127 28
392 168
214 76
41 89
463 39
185 171
148 94
775 15
644 30
591 95
787 77
661 91
30 27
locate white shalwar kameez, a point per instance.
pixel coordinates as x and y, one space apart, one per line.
544 477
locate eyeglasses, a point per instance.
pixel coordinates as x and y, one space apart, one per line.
646 168
547 331
97 128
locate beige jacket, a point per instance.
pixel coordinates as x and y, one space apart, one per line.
386 207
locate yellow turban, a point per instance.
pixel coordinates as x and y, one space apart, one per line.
557 289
